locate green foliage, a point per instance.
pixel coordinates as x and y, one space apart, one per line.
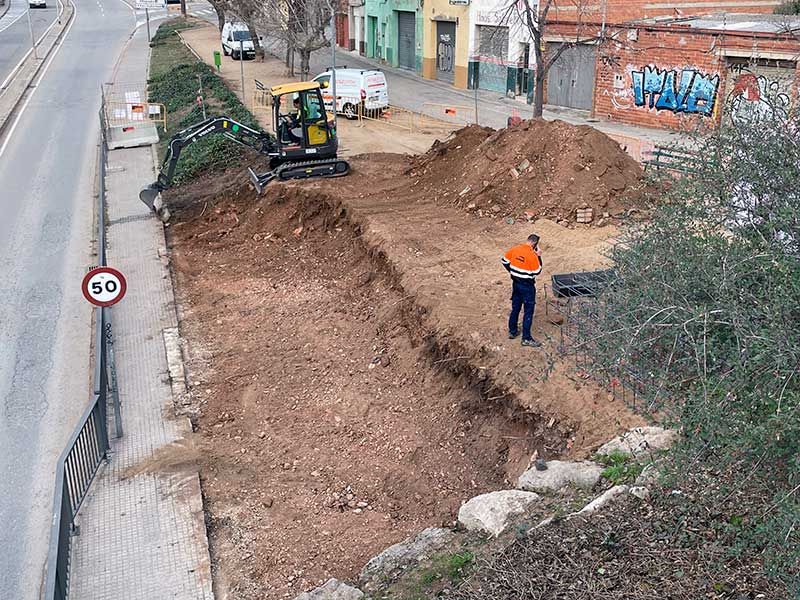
788 8
447 567
620 467
176 75
705 311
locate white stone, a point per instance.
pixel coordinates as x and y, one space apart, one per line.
559 474
639 440
493 512
332 590
640 492
395 559
603 499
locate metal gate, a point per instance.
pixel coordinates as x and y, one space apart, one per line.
445 50
759 89
570 81
406 39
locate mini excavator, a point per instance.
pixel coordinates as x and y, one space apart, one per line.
304 143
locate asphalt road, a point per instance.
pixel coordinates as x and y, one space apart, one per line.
15 34
47 171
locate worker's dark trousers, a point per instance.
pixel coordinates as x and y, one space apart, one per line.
523 294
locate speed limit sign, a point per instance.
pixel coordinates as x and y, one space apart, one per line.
104 286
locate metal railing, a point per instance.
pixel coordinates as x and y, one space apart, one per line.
88 446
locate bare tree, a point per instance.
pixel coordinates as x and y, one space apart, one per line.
533 16
221 7
302 25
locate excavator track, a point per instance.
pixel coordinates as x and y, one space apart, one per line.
328 167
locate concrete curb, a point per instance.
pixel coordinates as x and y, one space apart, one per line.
19 86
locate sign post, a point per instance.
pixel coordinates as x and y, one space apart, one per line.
104 286
146 5
241 64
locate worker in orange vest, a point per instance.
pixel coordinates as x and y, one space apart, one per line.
524 263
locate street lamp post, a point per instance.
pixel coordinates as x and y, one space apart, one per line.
333 59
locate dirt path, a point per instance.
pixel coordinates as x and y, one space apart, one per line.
355 137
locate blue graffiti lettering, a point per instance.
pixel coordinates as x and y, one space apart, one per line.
695 93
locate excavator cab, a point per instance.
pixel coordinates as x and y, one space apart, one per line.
303 129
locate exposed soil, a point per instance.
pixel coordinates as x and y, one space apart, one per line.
327 431
537 168
351 378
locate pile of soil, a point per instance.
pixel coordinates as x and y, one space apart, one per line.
535 169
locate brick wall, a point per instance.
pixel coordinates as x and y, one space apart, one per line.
691 64
620 11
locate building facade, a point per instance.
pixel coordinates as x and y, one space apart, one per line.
680 74
501 58
445 36
393 32
628 48
356 18
622 11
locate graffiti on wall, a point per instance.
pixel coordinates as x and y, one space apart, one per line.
689 91
754 97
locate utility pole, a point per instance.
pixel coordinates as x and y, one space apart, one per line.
333 60
33 38
241 67
147 18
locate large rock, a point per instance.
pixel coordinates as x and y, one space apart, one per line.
603 499
390 563
639 441
493 512
332 590
559 474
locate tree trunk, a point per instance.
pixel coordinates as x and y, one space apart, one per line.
220 17
256 40
538 94
305 56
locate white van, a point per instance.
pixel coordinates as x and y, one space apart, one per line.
236 40
354 86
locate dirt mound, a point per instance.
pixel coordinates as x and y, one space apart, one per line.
537 169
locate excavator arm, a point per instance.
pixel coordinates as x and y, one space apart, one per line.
257 140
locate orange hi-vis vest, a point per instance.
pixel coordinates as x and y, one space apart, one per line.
523 263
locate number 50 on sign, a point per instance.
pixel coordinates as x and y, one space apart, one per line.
104 286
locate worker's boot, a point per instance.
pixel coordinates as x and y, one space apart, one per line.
532 343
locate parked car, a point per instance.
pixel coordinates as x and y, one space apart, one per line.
354 87
37 4
236 41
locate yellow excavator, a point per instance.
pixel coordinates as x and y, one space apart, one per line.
304 143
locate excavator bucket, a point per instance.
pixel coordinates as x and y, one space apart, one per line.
148 195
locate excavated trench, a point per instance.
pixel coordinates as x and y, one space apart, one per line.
332 421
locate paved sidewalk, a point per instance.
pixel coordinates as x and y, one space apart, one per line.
142 530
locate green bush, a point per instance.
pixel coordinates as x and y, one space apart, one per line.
705 310
620 467
176 75
788 8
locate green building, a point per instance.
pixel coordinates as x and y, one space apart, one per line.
393 32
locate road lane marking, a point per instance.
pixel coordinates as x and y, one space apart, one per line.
35 85
13 16
10 76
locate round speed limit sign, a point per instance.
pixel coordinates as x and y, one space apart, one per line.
104 286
